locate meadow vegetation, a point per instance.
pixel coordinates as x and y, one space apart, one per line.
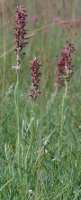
40 139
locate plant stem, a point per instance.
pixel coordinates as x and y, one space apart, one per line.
62 115
16 99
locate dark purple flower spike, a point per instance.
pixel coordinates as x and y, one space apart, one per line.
20 34
65 68
35 75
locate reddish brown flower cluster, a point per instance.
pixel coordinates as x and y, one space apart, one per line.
35 74
65 67
20 34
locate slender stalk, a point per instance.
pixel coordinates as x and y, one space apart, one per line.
4 45
16 100
62 114
4 57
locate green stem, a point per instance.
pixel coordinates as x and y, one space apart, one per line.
16 100
62 114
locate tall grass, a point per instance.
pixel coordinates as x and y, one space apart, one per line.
40 141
